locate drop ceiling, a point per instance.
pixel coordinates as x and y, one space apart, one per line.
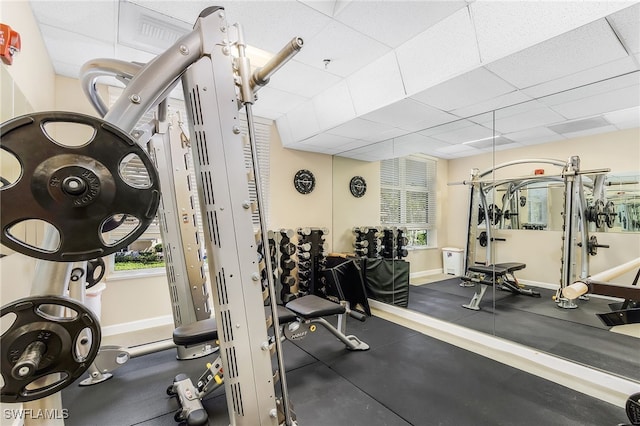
402 77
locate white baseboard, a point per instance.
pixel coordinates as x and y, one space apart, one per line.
422 274
539 284
127 327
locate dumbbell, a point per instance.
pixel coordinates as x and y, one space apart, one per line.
363 243
304 255
304 247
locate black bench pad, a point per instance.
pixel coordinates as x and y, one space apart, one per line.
196 332
207 330
285 316
312 306
499 268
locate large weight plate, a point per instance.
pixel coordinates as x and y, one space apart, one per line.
69 334
79 190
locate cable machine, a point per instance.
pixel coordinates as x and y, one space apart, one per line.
81 194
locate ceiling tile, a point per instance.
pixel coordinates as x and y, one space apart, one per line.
303 121
409 115
624 119
445 50
354 145
418 142
360 129
583 48
326 140
506 27
384 75
458 149
284 130
333 106
533 135
83 49
534 118
395 22
467 89
447 128
66 70
627 24
624 81
268 25
129 54
325 6
302 79
473 132
347 49
606 71
272 103
499 102
598 104
278 100
79 17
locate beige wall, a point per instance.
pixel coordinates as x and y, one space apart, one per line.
31 70
288 208
349 211
540 250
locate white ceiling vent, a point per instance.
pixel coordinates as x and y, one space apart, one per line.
148 30
580 125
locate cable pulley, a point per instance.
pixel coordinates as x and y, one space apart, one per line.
83 191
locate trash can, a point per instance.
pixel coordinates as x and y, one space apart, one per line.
452 260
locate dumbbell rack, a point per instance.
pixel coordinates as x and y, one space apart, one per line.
284 257
311 258
394 243
367 242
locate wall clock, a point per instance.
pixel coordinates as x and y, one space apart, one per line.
357 186
304 181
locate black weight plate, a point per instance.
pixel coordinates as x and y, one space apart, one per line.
82 211
61 337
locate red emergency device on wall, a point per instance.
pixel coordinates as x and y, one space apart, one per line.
9 43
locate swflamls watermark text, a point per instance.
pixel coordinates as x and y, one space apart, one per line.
35 414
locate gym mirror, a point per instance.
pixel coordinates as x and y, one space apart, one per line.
533 197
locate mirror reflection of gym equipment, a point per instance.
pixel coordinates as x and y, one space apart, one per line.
247 297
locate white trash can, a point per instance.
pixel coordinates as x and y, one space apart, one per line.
452 260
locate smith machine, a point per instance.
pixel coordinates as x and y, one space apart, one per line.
577 246
81 194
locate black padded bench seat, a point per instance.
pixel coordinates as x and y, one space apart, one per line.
312 306
196 332
499 268
207 330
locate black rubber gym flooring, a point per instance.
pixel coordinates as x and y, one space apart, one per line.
406 378
576 334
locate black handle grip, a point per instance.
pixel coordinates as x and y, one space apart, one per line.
498 239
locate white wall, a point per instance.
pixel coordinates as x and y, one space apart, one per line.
540 250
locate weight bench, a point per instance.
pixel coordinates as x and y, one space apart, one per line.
500 275
297 319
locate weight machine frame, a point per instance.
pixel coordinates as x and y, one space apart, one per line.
216 85
575 230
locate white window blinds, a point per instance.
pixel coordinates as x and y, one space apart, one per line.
408 192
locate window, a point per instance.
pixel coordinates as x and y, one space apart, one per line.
408 197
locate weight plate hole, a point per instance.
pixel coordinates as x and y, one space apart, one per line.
57 313
46 381
29 233
11 168
134 172
7 321
68 134
117 228
83 345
